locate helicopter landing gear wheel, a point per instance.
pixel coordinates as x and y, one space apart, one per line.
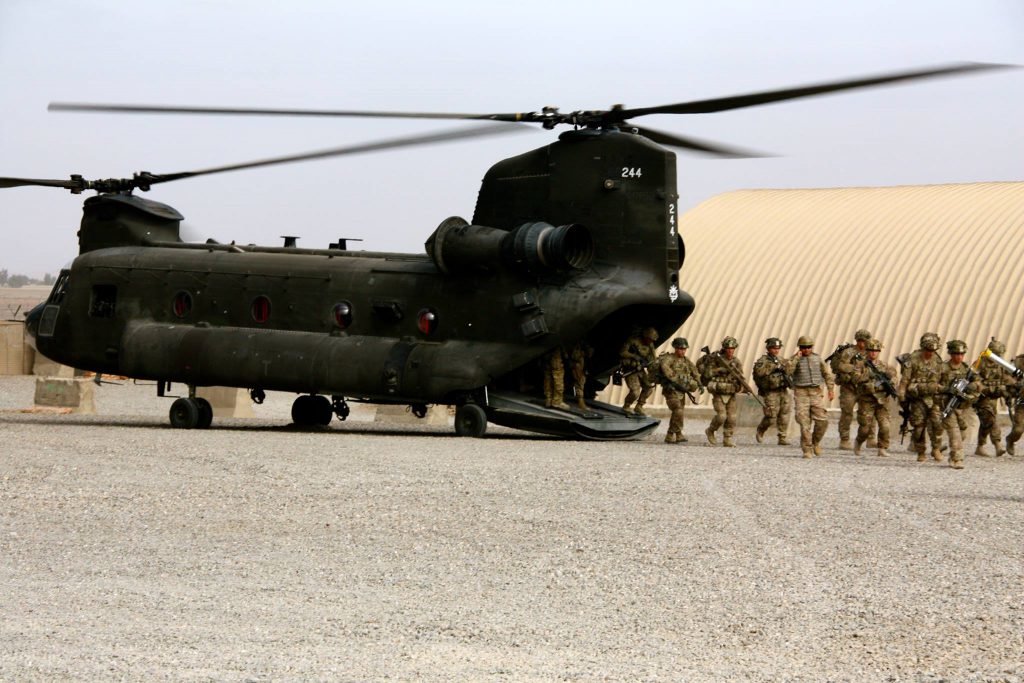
312 410
470 420
341 408
205 413
185 414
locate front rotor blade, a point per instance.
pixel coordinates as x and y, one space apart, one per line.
22 182
448 136
693 144
769 96
236 111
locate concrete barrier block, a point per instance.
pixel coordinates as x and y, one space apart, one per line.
436 415
227 401
66 392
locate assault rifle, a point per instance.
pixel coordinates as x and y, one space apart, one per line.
903 359
787 381
618 375
957 388
689 394
839 350
732 371
882 379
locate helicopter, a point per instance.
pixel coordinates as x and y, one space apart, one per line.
573 242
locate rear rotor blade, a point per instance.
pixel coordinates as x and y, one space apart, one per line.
695 145
22 182
769 96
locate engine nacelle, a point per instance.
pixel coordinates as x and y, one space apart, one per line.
458 247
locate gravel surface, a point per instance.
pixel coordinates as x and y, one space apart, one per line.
254 551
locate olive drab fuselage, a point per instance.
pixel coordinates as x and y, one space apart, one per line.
575 240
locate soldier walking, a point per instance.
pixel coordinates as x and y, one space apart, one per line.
773 384
845 366
920 385
809 372
953 370
1016 401
636 355
720 371
995 381
678 377
874 384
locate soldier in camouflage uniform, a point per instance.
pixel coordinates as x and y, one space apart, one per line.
636 355
953 370
903 360
920 385
554 379
722 383
578 356
773 384
872 400
809 372
995 382
1017 401
678 377
844 367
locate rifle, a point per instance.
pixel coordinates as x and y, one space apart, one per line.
882 379
732 371
787 381
905 414
619 375
839 349
956 390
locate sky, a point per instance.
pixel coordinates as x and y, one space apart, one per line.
476 57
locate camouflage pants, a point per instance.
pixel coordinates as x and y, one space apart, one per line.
1018 426
725 406
954 432
777 408
579 377
640 387
987 408
926 414
847 402
871 410
554 378
810 415
675 402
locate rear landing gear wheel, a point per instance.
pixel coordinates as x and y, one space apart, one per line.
312 410
185 414
470 420
205 413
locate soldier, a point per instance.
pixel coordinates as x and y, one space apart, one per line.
637 354
953 370
844 367
872 397
554 379
678 377
809 372
773 384
995 380
720 372
920 385
1017 409
904 359
578 356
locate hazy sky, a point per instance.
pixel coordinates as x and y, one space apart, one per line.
476 57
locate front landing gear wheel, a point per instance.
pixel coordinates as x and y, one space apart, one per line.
205 413
470 420
185 414
312 410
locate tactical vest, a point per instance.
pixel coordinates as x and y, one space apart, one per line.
807 372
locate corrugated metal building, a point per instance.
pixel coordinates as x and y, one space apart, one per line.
899 261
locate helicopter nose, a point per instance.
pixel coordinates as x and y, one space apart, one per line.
32 319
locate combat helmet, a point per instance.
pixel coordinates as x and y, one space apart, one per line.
650 333
805 342
873 345
930 342
773 343
956 346
730 343
997 347
862 335
680 343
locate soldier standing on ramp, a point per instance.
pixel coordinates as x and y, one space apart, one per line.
636 355
809 372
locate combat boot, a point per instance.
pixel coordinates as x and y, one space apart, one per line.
759 436
671 438
817 449
1000 451
845 445
727 442
937 455
582 403
639 410
956 464
808 453
710 433
682 439
872 443
1009 447
980 451
882 453
783 441
857 446
559 404
921 457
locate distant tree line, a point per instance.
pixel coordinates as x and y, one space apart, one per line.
8 280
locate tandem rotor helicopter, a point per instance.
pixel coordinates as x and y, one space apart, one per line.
574 241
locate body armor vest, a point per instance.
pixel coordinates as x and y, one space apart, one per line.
807 372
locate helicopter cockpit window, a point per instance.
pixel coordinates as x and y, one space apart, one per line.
103 302
182 304
60 288
261 309
343 315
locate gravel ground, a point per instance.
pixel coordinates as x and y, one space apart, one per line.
254 551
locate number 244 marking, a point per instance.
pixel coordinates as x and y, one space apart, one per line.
630 172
